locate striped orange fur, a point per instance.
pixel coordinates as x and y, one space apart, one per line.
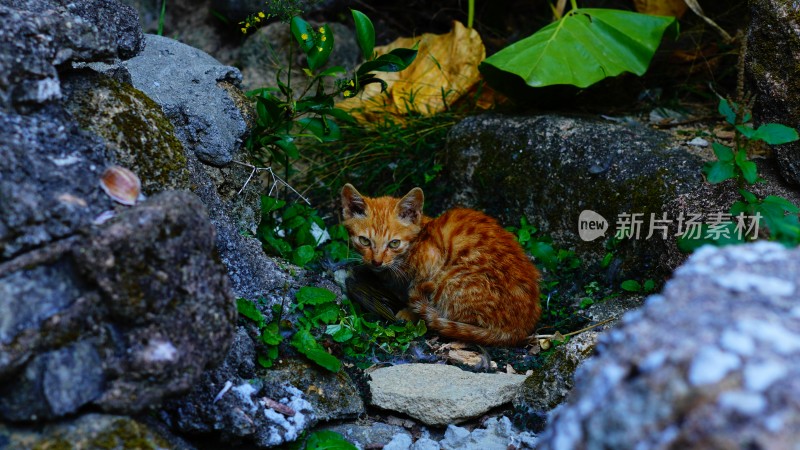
466 275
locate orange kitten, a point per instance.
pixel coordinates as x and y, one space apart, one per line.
466 275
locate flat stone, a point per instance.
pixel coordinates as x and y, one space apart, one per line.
439 394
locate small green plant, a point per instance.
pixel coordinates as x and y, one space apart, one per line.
733 162
286 115
297 233
541 248
321 318
634 286
322 440
779 214
269 332
161 16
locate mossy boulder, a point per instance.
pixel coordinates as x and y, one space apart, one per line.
91 431
136 132
551 168
773 69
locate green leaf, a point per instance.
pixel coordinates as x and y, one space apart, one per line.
719 171
365 34
606 260
309 295
303 32
323 46
340 333
749 169
305 343
748 196
271 334
583 47
746 130
248 309
316 44
723 152
394 61
631 286
325 314
523 236
649 285
302 255
326 130
288 146
727 111
775 134
331 71
782 203
327 440
264 361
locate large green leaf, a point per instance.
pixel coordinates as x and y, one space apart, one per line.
365 33
583 47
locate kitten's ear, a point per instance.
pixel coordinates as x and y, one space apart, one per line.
410 207
353 204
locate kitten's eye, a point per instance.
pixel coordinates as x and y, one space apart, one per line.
394 243
363 241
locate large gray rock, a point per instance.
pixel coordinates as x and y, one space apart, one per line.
38 35
122 317
773 67
438 394
206 92
712 362
551 168
184 81
49 194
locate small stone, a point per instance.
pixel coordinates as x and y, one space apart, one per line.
400 441
438 394
698 142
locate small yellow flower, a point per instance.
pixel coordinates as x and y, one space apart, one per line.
347 93
352 83
244 30
261 14
257 19
324 38
319 48
322 30
304 37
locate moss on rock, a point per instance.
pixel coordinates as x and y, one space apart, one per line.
136 132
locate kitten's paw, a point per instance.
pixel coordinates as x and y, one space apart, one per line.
407 314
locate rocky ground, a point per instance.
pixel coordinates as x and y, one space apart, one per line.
118 324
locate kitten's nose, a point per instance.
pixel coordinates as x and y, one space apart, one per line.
377 263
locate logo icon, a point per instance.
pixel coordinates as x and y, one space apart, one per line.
591 225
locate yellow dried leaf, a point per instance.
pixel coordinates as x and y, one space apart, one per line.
446 68
674 8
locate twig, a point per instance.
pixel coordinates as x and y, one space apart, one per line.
275 180
553 336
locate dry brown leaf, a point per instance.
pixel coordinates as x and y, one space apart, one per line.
675 8
472 359
445 69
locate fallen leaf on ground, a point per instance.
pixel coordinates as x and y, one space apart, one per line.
445 70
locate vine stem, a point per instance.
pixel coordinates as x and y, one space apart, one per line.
276 180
